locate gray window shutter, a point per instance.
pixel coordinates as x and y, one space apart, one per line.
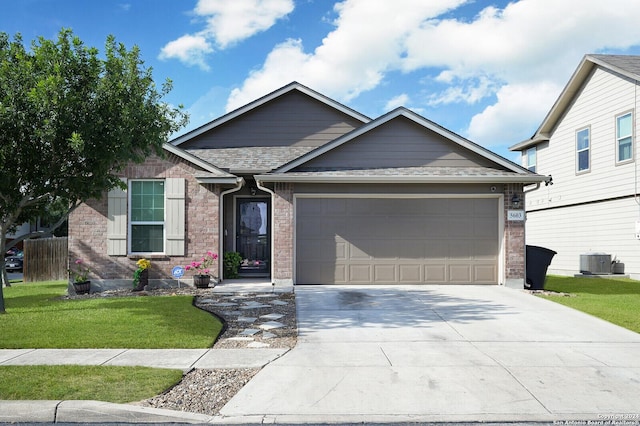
175 216
117 222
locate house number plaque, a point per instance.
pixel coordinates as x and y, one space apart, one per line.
515 215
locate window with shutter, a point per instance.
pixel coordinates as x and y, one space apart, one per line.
117 222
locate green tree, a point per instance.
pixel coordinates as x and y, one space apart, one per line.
70 120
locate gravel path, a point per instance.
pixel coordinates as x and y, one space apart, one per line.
207 391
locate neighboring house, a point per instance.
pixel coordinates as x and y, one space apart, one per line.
27 228
309 191
587 144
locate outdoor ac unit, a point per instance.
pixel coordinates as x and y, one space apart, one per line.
595 263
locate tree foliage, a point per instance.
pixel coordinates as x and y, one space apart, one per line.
70 120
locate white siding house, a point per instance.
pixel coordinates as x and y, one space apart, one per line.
587 144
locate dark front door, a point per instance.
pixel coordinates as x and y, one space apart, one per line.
253 235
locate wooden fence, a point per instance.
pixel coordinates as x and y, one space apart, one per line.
45 259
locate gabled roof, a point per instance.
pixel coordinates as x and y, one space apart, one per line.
510 171
210 173
625 65
263 100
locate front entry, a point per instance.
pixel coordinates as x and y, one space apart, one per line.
253 236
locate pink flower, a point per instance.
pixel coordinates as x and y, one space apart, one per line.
203 266
78 261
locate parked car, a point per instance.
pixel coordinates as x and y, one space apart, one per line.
13 263
13 251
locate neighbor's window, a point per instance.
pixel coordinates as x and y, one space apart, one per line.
530 159
146 216
582 150
624 138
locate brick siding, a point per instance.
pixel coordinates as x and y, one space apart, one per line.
283 231
88 224
514 235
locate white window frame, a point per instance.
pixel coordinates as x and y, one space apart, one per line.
587 149
620 138
527 164
131 222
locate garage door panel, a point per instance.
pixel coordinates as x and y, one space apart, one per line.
360 274
436 273
410 274
386 241
385 273
460 273
484 273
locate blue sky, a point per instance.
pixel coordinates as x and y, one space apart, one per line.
487 70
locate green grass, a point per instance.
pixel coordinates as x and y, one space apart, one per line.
614 300
37 317
69 382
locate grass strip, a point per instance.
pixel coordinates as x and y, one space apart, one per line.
75 382
614 300
37 317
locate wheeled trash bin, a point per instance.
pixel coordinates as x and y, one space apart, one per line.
538 260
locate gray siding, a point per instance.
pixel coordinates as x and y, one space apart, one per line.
398 143
293 119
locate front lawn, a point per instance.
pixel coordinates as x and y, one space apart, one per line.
72 382
614 300
37 317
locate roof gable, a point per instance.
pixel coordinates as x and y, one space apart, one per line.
291 116
624 65
399 139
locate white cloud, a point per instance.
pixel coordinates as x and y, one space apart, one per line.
397 101
367 43
189 49
231 21
227 22
469 91
519 107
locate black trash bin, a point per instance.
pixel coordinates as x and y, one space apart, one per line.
538 260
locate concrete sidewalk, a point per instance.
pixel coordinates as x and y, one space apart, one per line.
97 411
183 359
445 353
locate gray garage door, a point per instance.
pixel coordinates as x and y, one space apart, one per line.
397 241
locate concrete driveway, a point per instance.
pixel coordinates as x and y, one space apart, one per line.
445 353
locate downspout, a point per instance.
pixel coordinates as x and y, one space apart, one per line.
265 189
221 235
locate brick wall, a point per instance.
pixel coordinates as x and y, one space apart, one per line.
514 235
283 233
88 225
